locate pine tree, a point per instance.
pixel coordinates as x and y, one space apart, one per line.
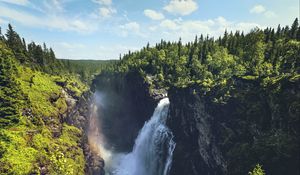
267 33
196 40
39 55
286 31
294 29
254 51
201 38
278 32
225 39
24 44
52 55
11 97
15 43
272 35
179 47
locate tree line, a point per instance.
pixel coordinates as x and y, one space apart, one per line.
207 61
37 56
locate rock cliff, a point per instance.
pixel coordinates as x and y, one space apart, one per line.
257 124
78 114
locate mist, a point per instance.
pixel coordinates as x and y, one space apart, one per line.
153 146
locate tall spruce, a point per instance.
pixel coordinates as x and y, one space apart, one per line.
294 29
14 41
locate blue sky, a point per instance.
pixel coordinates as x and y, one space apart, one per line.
103 29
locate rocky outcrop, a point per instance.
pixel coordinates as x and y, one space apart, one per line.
95 163
78 115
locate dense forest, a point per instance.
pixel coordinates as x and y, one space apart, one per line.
266 55
36 89
87 69
41 58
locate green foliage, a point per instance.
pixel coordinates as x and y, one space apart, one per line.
31 108
257 170
10 95
14 41
68 158
209 63
60 165
32 55
87 69
17 157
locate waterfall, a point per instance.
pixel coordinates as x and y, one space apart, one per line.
153 149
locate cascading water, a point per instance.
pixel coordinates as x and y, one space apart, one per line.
153 149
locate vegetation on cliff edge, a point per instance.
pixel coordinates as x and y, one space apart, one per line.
34 139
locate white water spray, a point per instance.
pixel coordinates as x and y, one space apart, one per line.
96 139
153 149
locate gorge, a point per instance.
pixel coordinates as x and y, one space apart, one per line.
204 131
211 106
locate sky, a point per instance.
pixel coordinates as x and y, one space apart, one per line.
104 29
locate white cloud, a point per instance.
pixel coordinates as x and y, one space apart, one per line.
106 12
52 22
243 26
169 24
103 2
53 6
153 14
181 7
134 26
153 28
258 9
222 21
173 29
131 27
187 26
18 2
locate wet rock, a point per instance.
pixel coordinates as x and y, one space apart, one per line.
158 94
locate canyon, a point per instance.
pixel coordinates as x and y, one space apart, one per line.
209 138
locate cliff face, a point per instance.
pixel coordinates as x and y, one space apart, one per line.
78 115
196 149
126 105
258 124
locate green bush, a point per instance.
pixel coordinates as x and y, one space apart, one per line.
257 170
